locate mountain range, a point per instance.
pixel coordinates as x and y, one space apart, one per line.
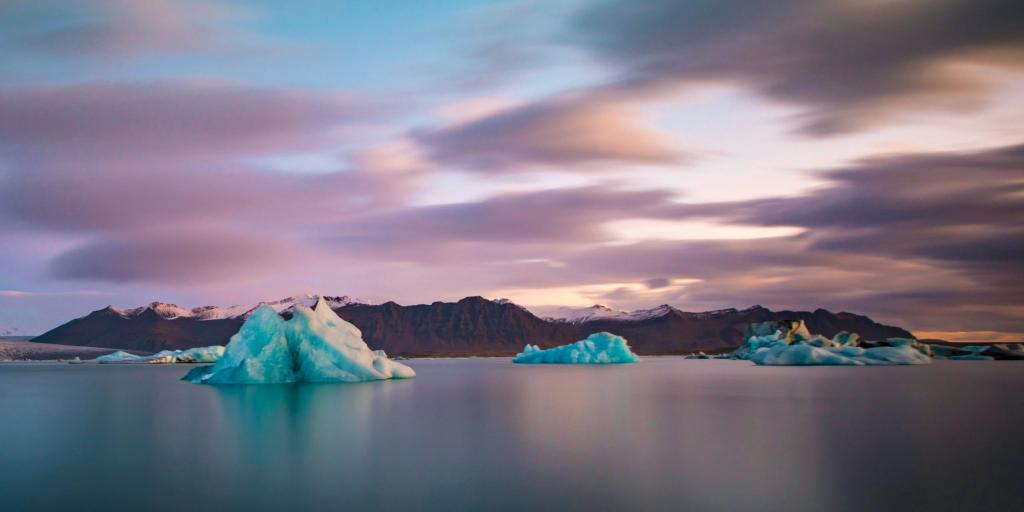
471 326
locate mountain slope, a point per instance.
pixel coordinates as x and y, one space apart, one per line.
471 326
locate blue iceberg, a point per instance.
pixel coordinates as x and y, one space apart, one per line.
791 344
119 357
598 348
316 345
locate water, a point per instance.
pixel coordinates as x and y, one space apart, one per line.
666 434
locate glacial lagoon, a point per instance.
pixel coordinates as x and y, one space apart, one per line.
485 434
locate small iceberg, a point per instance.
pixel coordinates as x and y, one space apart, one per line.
792 344
1000 351
316 345
209 354
118 357
598 348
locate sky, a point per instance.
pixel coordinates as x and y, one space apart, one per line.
853 155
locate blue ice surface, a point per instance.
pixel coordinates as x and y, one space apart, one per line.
794 345
316 345
598 348
193 355
118 357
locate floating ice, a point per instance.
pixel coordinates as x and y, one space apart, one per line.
193 355
790 343
314 346
598 348
118 357
999 351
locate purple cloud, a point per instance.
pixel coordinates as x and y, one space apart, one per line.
113 157
173 256
565 132
850 64
117 122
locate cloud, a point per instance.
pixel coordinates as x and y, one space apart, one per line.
178 120
112 157
565 132
850 64
558 216
108 199
926 240
118 29
161 183
23 293
963 207
923 240
657 282
173 256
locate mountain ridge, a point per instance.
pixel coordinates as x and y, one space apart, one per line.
471 326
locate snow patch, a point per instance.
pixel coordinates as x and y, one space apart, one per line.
600 312
172 311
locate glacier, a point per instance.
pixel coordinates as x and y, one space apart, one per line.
792 344
209 354
315 345
598 348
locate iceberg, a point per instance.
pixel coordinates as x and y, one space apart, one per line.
999 351
193 355
316 345
792 344
118 357
598 348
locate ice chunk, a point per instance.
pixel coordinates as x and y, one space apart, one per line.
329 349
979 352
598 348
314 346
791 343
210 354
118 357
805 354
193 355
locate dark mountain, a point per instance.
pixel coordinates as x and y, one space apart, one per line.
471 326
145 331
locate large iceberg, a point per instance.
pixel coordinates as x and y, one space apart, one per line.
209 354
598 348
791 343
314 346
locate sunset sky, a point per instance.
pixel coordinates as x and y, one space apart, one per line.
865 156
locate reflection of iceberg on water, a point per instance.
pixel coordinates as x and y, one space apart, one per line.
790 343
314 346
598 348
193 355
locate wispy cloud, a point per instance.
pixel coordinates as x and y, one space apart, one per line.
23 293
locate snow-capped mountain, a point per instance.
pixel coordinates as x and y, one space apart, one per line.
471 326
599 312
172 311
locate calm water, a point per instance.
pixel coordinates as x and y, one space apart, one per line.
666 434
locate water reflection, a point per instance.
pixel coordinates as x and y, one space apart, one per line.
667 434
